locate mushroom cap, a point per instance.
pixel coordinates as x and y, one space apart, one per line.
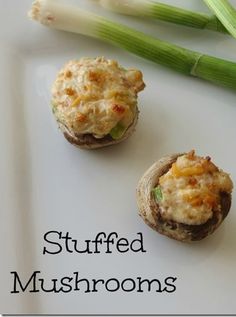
89 142
150 212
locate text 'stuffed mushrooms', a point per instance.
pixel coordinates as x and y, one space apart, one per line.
184 196
94 101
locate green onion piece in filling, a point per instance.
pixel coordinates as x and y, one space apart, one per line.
118 131
158 194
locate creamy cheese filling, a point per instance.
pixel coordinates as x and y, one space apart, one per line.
94 95
190 190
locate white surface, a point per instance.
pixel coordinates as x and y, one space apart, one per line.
47 184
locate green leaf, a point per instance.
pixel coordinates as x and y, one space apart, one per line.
225 12
118 131
158 194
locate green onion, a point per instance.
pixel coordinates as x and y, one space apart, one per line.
73 19
64 17
164 12
225 12
157 192
117 132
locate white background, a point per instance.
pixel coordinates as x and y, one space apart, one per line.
47 184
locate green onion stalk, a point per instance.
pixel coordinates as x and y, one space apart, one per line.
164 12
73 19
225 12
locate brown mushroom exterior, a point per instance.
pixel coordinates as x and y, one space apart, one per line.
89 142
150 211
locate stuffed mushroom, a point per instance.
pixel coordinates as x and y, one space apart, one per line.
184 196
95 101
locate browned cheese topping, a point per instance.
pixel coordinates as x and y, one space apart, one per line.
94 95
191 189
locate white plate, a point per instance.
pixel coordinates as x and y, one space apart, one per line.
47 184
